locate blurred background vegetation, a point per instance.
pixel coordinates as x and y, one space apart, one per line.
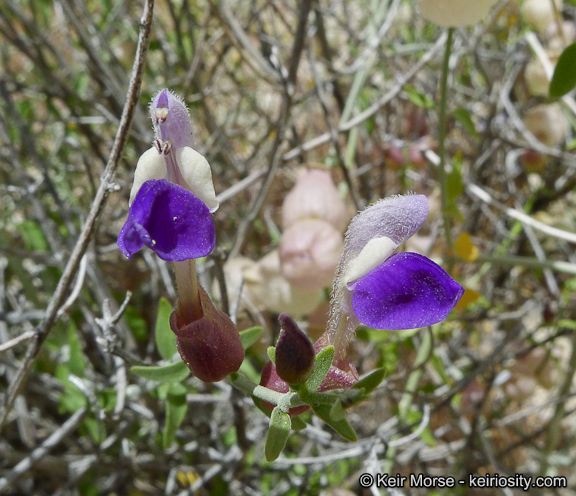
356 90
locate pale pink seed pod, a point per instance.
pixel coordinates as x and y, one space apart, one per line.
269 289
309 253
536 78
454 13
315 196
547 123
540 13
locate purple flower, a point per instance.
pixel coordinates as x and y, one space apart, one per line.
172 194
381 289
169 220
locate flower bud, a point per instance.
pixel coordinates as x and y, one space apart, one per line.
294 352
342 374
454 13
315 196
210 346
309 253
547 123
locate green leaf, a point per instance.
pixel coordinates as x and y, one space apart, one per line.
260 404
341 426
464 118
175 372
165 338
250 336
564 77
322 364
33 235
337 412
418 98
176 408
373 335
424 350
371 381
272 354
280 425
298 424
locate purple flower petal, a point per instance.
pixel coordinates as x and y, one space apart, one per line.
170 220
407 291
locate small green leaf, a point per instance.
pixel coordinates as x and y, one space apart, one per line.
322 364
250 336
280 425
371 381
176 408
272 354
418 98
341 426
424 350
564 77
298 424
337 412
464 118
175 372
165 338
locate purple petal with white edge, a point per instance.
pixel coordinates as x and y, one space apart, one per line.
397 218
170 220
407 291
176 125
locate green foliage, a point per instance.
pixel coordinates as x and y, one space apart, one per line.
165 338
463 117
322 365
33 236
278 433
418 98
250 336
176 408
564 77
174 372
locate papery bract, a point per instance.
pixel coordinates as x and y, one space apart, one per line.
169 220
269 290
454 13
210 346
314 196
309 253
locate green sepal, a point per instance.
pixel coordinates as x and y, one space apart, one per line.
280 425
322 365
271 350
165 338
564 77
250 336
341 426
175 372
371 381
